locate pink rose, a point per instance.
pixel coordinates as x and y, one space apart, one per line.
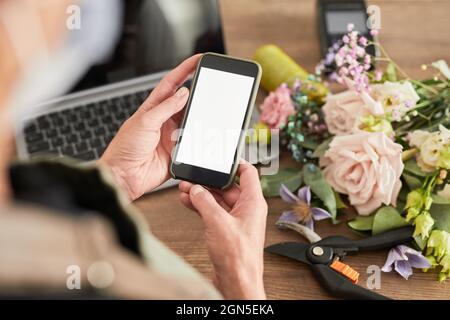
367 167
277 107
344 110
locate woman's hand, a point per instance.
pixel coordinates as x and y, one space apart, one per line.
235 225
139 155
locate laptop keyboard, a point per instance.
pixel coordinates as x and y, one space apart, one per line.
82 132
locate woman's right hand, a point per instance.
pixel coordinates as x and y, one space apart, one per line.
235 226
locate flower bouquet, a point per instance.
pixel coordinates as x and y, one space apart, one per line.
382 147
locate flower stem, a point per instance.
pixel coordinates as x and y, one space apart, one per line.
426 87
310 235
388 58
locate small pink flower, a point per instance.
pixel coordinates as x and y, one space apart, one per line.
363 41
378 75
277 107
374 32
350 27
343 71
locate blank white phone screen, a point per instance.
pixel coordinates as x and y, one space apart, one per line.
214 122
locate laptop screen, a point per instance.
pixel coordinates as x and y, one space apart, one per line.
156 36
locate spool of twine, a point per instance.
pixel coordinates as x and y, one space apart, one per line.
280 68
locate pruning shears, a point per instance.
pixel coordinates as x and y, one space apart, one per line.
325 260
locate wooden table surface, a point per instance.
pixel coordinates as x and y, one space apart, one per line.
413 31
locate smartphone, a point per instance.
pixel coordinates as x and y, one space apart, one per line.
218 111
333 16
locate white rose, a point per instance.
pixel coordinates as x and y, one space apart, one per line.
396 97
430 145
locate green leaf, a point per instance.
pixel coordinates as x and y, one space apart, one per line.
322 148
441 216
339 203
420 242
308 143
387 218
361 223
391 72
412 167
412 181
313 177
290 177
440 200
401 199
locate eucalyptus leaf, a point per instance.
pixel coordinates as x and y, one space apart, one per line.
313 177
322 148
387 218
290 177
412 181
441 216
361 223
412 167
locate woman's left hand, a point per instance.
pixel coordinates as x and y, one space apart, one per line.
139 155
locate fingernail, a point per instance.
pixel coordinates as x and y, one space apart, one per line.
181 92
196 189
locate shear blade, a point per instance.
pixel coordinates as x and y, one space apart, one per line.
293 250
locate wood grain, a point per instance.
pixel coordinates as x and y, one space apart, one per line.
413 32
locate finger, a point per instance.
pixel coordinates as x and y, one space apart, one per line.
249 179
186 201
185 186
208 208
178 117
220 200
228 197
172 81
156 116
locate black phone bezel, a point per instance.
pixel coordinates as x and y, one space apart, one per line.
203 176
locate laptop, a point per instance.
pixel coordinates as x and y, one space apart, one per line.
156 36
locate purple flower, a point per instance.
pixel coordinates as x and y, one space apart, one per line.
301 211
403 259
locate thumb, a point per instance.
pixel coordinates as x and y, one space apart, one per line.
208 208
157 115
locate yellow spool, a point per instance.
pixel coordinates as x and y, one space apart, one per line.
279 68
